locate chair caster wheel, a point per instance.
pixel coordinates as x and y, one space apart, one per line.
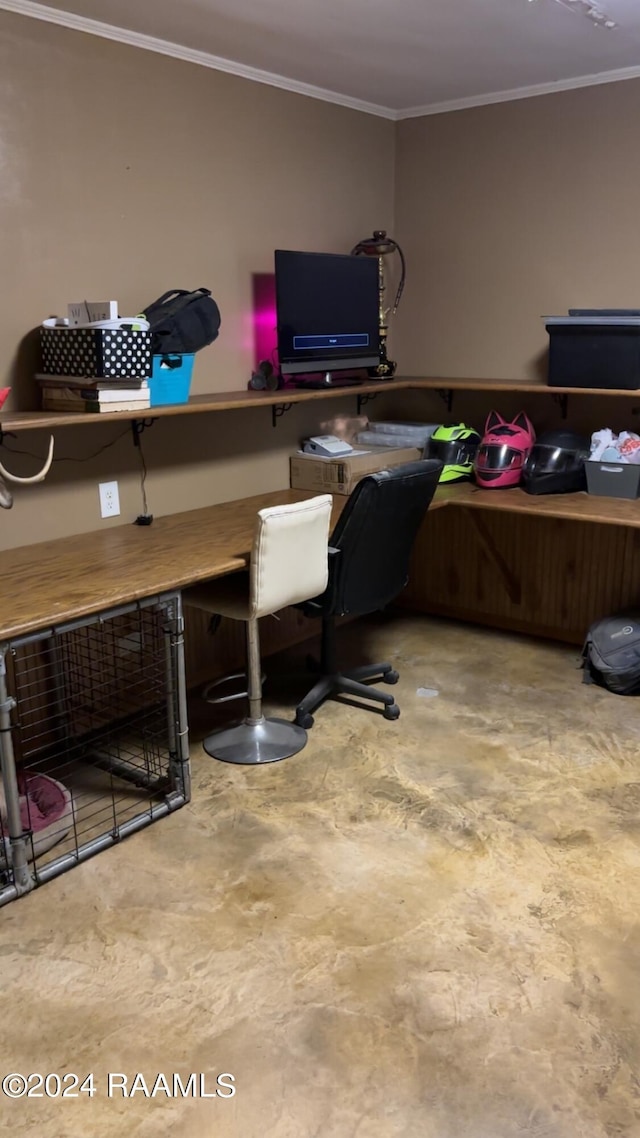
391 677
392 711
304 720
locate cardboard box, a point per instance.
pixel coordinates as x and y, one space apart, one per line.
340 475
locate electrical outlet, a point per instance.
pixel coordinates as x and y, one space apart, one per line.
109 499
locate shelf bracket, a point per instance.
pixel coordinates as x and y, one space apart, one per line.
362 399
446 394
278 410
563 403
138 426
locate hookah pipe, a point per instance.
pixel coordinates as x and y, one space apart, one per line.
379 245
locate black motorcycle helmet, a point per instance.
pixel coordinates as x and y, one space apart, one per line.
556 464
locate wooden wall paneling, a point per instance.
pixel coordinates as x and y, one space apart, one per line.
511 582
630 570
571 572
209 655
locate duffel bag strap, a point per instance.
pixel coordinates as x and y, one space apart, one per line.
585 663
157 309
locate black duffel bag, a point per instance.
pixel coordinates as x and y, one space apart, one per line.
611 653
182 321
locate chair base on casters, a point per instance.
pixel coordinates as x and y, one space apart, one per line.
249 742
350 683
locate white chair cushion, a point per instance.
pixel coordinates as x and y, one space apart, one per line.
290 556
289 563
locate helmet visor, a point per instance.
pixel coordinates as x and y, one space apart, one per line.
492 457
451 452
552 460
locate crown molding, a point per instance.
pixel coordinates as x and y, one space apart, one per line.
188 55
255 75
515 93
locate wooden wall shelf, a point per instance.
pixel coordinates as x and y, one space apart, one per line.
197 405
446 389
580 507
431 383
279 401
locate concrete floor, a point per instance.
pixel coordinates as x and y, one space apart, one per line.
421 929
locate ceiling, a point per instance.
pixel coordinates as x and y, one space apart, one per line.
393 57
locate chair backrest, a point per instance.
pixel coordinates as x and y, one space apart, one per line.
375 534
289 559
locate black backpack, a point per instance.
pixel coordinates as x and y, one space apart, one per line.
182 321
611 653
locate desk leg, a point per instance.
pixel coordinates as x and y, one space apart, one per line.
17 853
177 721
511 583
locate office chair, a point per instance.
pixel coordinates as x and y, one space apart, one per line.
289 563
368 566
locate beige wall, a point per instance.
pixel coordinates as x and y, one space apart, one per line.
509 212
124 173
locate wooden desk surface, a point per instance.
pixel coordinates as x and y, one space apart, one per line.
57 581
571 507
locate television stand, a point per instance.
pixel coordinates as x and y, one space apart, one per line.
327 382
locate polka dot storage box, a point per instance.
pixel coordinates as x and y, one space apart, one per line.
98 353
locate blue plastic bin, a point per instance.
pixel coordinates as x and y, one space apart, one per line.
170 379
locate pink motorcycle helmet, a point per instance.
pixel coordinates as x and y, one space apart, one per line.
503 451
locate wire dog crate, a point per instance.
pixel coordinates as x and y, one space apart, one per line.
93 737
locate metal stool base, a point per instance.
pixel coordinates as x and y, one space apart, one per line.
267 741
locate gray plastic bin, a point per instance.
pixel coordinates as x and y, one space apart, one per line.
613 479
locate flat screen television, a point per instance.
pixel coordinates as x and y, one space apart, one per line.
327 313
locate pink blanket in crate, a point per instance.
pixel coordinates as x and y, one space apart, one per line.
45 812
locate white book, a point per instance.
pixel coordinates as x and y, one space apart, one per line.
51 403
135 388
96 395
114 394
114 383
